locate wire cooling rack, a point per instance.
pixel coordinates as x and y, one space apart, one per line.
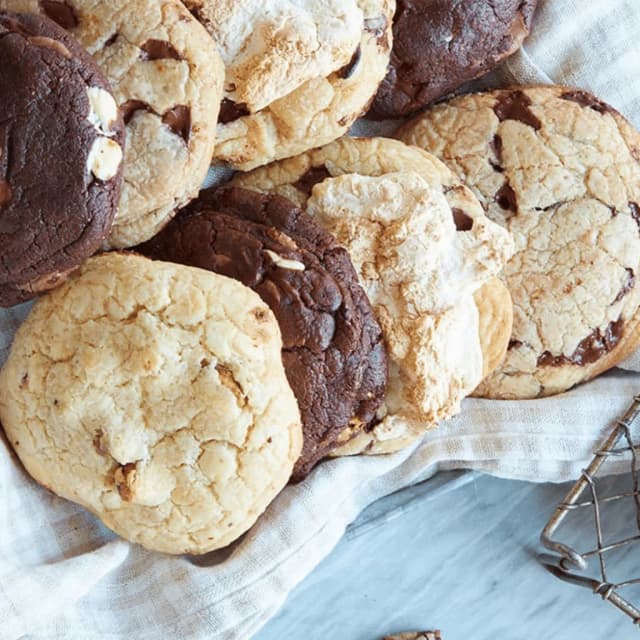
592 495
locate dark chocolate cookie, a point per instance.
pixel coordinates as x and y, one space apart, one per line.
441 44
333 350
61 148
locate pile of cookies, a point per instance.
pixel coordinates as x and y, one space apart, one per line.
192 352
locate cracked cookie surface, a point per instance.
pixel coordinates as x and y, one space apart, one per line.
154 395
422 247
561 170
167 77
438 45
299 73
56 105
333 351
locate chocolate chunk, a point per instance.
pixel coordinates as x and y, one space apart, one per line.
586 99
348 70
60 12
506 198
514 105
464 222
628 286
130 107
311 178
51 218
178 120
231 111
496 147
438 45
333 350
590 350
159 50
635 212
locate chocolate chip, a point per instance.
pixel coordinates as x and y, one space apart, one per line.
311 178
5 193
60 12
112 39
635 212
590 350
585 99
130 107
231 111
628 286
464 222
506 198
514 105
349 69
178 120
159 50
515 344
496 147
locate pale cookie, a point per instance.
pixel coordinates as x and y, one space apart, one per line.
422 246
298 72
561 170
154 395
166 76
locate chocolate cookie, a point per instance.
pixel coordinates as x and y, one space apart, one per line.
167 80
333 351
560 170
61 149
441 44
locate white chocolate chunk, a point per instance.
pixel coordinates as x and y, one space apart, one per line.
103 110
284 263
104 158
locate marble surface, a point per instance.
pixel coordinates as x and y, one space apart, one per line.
458 553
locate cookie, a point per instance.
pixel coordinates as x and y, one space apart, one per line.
561 171
56 106
167 79
422 246
153 395
333 351
438 45
297 74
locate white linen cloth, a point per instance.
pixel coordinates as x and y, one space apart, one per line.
64 576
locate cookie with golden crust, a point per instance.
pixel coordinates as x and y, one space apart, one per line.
561 170
298 74
422 247
154 395
166 76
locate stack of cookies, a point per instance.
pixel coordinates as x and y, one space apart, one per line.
192 353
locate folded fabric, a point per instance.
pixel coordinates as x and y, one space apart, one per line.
63 575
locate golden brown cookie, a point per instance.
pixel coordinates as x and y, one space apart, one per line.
297 74
154 395
560 170
422 246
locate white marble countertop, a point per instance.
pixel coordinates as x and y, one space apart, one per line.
457 553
